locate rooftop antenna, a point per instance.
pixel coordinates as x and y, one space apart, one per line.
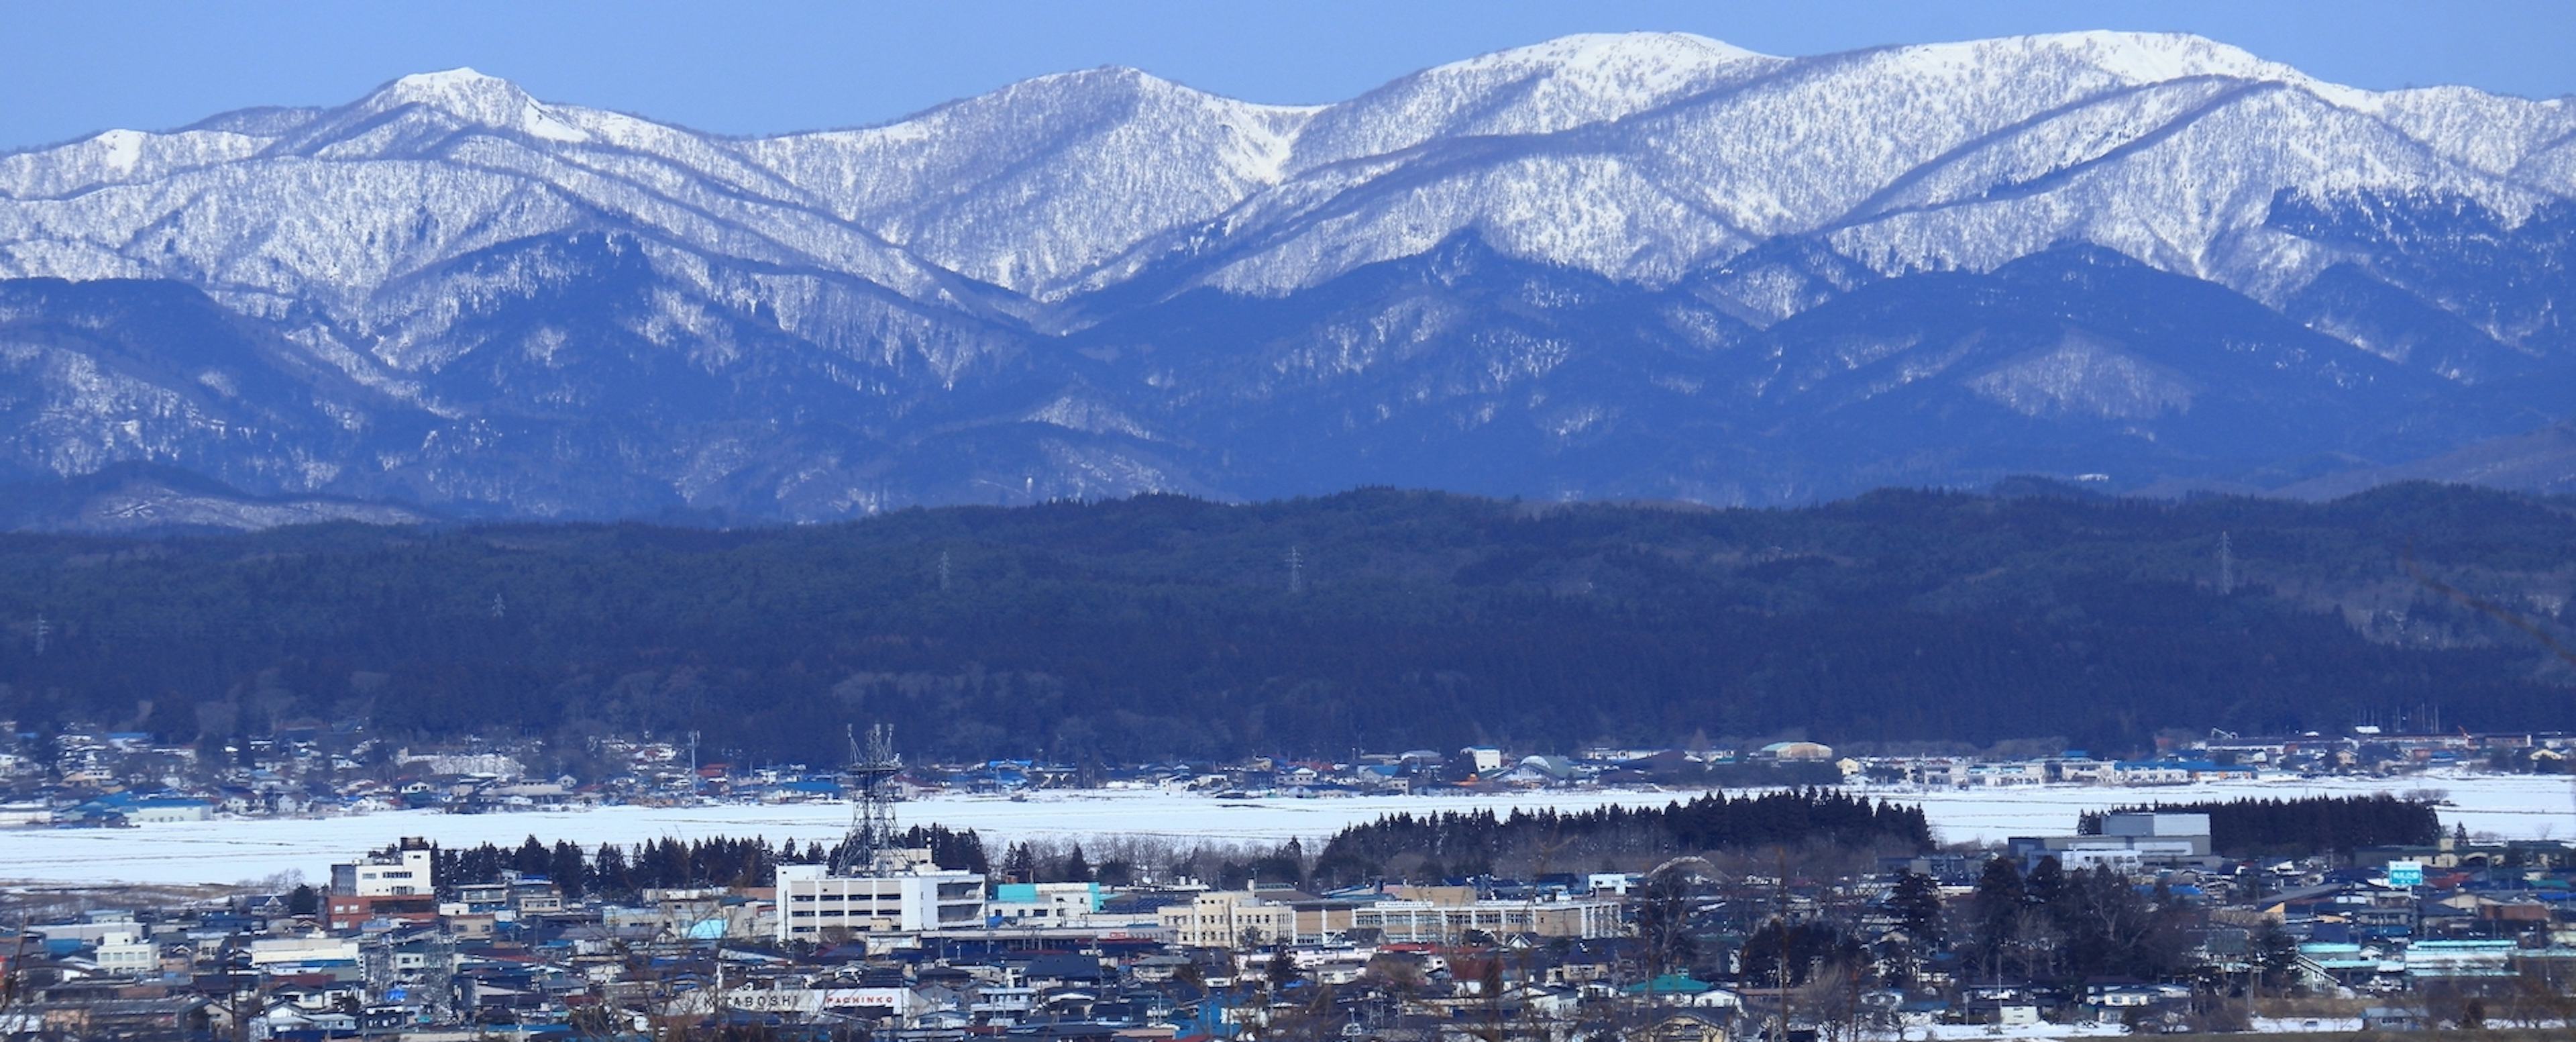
869 848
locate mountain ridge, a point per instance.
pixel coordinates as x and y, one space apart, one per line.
809 325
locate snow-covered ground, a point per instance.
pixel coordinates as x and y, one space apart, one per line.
2024 1032
230 851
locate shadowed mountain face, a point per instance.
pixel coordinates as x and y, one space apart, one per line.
1157 626
1603 266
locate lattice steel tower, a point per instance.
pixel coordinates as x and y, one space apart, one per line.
869 849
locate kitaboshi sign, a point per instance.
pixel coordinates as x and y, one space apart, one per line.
816 1000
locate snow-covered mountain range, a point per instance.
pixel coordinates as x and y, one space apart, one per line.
1646 265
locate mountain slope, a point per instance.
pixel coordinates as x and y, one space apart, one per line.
1632 265
1160 626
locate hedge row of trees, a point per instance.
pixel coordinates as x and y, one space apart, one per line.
1434 846
623 871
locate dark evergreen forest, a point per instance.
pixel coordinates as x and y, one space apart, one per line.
1163 626
1436 846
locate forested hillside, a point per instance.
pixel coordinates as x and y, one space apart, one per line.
1159 625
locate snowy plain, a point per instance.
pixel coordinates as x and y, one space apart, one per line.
228 851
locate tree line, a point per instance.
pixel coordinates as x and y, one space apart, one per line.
1394 848
2055 925
1163 627
624 871
1452 844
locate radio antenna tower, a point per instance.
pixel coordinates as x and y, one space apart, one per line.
2226 565
943 571
869 849
1296 569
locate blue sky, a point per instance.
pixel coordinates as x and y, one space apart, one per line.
748 66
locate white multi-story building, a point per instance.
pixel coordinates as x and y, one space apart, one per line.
400 872
125 955
812 901
1045 904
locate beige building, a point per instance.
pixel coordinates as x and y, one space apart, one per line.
1445 913
1225 919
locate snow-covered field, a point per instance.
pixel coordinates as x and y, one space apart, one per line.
230 851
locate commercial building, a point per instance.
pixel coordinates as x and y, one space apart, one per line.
814 904
1442 918
1226 918
393 883
2126 841
1044 904
402 871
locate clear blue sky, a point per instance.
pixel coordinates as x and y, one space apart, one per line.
73 67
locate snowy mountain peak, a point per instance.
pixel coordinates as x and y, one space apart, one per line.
454 286
1583 52
2124 57
2144 57
476 99
1614 70
459 90
1130 83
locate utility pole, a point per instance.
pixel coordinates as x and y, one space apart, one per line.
1782 888
693 763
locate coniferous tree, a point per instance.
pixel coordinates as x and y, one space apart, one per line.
533 858
569 869
1997 908
608 871
1916 902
